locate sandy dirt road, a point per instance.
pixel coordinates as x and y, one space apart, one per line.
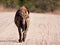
44 29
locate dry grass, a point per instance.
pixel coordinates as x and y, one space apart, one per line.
56 11
2 9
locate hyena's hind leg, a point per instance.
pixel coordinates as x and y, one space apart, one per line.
24 32
24 35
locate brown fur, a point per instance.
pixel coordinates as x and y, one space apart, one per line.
22 14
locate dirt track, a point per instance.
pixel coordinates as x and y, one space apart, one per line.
44 29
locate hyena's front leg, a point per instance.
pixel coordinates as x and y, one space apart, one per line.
20 34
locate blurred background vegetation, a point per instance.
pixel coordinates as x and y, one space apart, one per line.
33 5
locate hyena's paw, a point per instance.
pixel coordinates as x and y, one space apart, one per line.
20 40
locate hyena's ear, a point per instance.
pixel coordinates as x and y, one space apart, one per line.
17 12
28 11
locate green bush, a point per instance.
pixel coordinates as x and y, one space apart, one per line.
33 5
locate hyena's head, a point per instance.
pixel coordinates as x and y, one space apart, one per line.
24 12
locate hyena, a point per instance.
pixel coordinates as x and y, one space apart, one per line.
22 22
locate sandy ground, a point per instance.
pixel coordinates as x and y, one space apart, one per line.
44 29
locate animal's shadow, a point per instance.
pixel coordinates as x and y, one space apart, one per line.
14 41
